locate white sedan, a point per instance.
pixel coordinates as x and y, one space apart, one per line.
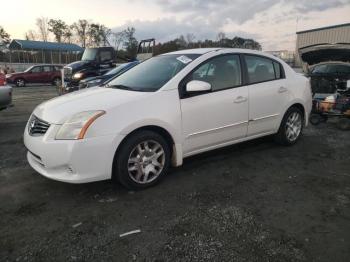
166 109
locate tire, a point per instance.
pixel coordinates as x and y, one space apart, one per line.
290 132
315 119
56 81
344 124
20 82
137 165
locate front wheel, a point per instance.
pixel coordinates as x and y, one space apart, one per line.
142 160
20 82
291 127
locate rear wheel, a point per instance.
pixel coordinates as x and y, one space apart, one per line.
20 82
291 127
142 160
344 123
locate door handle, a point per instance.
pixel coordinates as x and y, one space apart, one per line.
282 89
240 99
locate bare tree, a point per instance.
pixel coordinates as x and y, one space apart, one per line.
43 27
31 35
190 38
220 37
81 28
118 39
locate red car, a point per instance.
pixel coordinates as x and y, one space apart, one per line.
36 74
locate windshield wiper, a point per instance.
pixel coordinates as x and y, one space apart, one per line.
120 87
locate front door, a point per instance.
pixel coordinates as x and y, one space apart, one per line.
35 75
217 117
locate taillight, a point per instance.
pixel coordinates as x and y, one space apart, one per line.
2 80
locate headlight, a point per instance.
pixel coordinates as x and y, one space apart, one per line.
8 75
78 75
76 127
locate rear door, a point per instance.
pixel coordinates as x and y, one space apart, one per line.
268 94
47 74
217 117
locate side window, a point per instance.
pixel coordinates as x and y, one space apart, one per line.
221 72
105 56
260 69
36 69
339 69
46 69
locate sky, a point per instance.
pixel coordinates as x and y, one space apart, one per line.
273 23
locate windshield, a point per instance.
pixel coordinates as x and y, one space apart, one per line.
28 69
321 69
89 54
120 68
152 74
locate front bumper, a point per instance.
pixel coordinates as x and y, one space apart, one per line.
72 161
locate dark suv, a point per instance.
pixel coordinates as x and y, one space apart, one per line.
37 74
329 77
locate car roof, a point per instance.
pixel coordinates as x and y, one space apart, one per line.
202 51
48 65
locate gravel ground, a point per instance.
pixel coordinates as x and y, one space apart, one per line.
254 201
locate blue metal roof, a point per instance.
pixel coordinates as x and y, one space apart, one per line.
39 45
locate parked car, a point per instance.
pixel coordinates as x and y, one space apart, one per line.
329 66
5 93
329 77
96 61
165 109
99 80
50 74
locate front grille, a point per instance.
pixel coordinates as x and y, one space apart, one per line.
67 71
37 127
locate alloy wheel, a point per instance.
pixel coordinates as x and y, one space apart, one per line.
20 82
146 162
293 126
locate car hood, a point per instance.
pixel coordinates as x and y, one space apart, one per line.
93 78
15 74
58 110
78 65
325 53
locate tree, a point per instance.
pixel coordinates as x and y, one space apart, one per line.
105 34
118 39
98 34
68 34
43 27
94 35
190 39
81 28
4 36
58 28
239 42
220 37
31 35
181 42
130 42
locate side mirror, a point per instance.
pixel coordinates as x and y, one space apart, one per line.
198 86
